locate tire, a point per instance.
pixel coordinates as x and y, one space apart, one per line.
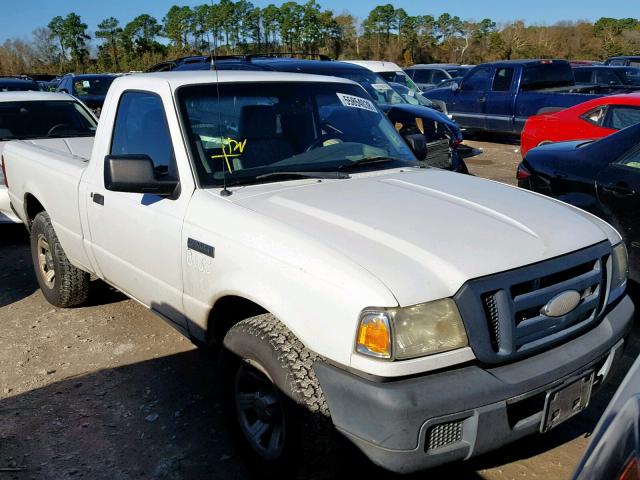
62 284
261 349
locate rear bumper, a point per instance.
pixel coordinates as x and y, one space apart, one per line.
482 408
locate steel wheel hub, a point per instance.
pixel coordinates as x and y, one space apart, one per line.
259 411
45 262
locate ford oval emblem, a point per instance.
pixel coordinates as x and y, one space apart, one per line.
561 304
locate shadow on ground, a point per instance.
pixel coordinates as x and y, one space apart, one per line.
162 419
17 280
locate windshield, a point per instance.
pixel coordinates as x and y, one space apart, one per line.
44 119
253 130
411 97
401 78
92 85
374 84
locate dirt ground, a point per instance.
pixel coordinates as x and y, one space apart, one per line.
108 391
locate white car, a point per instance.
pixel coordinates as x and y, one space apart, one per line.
46 119
426 316
390 71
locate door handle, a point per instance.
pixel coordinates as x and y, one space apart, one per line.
482 99
619 190
560 175
97 198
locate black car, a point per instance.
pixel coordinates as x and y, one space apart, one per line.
91 89
11 84
433 137
614 448
627 78
602 177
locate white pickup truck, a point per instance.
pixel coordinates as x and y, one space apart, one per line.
53 120
426 316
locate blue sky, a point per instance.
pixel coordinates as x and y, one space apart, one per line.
20 18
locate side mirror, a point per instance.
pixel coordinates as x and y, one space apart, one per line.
135 174
418 145
455 87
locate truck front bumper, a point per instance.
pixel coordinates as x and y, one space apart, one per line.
412 424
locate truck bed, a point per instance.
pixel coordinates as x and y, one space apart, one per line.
51 170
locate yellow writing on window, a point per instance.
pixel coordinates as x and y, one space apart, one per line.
231 149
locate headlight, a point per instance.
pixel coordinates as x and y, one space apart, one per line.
410 332
619 266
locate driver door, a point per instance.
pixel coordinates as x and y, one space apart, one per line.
136 238
468 103
618 188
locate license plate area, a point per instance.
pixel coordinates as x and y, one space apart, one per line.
565 401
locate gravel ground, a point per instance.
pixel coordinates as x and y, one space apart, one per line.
108 391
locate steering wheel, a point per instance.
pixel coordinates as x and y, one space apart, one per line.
56 127
318 142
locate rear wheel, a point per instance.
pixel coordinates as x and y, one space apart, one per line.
274 405
62 284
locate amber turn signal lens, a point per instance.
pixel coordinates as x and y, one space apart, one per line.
374 335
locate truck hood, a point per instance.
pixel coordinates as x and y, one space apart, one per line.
425 232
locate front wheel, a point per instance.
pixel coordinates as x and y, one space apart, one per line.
62 284
274 405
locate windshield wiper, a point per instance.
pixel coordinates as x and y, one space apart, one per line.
286 174
369 160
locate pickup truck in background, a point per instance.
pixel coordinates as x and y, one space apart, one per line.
53 120
500 96
282 217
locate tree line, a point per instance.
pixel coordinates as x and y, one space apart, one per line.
238 27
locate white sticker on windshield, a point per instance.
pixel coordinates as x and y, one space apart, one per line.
356 102
86 84
381 87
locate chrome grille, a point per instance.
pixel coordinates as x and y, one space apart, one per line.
502 312
444 434
438 154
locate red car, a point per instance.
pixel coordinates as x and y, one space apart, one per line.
587 121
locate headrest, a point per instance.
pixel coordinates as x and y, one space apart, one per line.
258 121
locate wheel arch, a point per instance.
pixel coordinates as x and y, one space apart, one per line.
227 311
32 207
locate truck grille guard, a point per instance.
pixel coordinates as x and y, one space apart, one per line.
502 312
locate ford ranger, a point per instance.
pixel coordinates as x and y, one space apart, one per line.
500 96
425 316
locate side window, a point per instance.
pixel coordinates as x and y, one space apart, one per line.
595 116
607 77
438 77
621 116
478 80
502 80
582 75
421 75
631 159
141 129
617 63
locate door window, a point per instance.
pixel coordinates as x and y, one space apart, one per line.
595 116
502 80
421 75
478 80
141 129
631 159
582 75
438 77
621 116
